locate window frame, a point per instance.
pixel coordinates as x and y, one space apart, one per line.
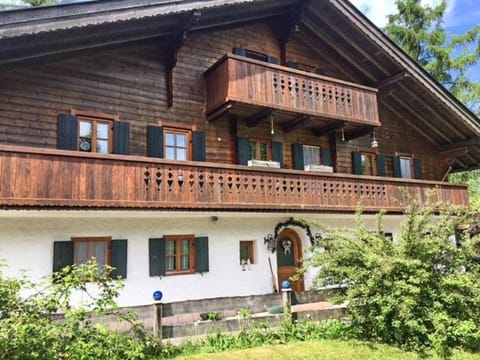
257 142
90 240
249 244
412 169
95 117
319 150
177 131
374 164
178 256
256 55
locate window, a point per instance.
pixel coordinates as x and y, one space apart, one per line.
260 149
311 155
179 253
78 250
246 252
177 144
84 249
94 131
369 163
405 167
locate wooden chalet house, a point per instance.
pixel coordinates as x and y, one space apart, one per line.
175 140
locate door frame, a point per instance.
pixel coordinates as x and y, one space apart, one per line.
299 285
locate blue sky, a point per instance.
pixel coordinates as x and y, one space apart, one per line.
461 15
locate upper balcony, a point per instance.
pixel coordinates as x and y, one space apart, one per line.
242 85
33 177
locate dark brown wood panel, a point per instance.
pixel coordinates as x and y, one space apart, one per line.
37 177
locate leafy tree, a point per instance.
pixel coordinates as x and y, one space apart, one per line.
419 31
472 179
30 328
419 291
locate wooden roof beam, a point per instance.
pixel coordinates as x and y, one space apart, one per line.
358 132
344 67
286 26
447 124
392 80
460 144
344 53
337 30
412 111
410 123
329 128
296 123
259 118
175 46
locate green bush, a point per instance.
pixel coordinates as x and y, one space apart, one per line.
419 291
41 322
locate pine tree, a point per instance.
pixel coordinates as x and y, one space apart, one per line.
419 31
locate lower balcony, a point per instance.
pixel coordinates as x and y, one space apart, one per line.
38 178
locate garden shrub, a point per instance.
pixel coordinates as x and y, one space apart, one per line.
419 291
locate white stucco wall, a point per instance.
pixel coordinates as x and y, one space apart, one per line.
26 243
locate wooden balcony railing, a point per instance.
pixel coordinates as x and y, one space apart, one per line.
237 79
40 177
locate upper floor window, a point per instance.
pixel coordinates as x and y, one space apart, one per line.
94 131
256 55
405 167
311 155
91 131
260 149
307 157
369 163
177 144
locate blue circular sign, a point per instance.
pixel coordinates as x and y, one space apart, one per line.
157 295
285 284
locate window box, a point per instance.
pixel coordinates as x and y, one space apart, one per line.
264 163
319 168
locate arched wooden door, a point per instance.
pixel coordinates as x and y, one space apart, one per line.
289 255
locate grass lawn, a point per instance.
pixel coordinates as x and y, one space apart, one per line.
322 350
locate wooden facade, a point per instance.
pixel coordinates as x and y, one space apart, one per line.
226 97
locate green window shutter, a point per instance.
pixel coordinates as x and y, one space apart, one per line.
297 154
417 168
326 156
239 51
272 60
62 254
357 163
277 152
198 146
320 71
155 141
67 132
121 137
156 251
292 65
118 258
201 254
396 167
243 151
381 165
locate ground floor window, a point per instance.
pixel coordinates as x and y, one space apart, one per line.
246 252
86 248
179 253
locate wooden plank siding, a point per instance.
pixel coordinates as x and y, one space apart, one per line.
43 177
129 80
